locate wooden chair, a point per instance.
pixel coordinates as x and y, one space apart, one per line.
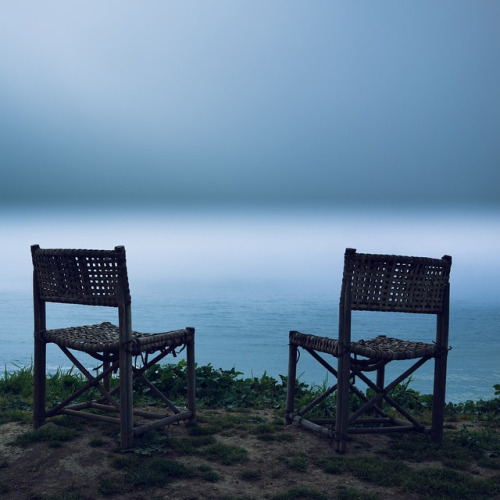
99 278
387 283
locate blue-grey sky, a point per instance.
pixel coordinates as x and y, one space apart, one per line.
317 101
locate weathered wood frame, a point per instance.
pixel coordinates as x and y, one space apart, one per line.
56 278
422 288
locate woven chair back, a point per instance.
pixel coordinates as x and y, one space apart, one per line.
395 283
89 277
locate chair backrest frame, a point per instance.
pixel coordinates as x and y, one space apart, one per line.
88 277
78 276
395 283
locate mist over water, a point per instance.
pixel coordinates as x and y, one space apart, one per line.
245 278
282 245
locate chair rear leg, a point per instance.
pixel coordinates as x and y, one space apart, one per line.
438 399
39 383
191 381
292 374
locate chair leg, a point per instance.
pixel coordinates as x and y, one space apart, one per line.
342 413
381 385
39 383
107 379
438 399
191 382
126 401
292 373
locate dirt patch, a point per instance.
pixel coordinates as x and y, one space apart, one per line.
284 460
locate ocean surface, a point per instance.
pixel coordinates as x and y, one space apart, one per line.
245 278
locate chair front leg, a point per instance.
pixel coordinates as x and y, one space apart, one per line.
381 383
342 412
126 400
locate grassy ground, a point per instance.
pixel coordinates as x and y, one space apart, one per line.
240 448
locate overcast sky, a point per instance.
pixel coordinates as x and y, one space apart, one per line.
250 101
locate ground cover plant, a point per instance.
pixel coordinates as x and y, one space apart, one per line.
240 448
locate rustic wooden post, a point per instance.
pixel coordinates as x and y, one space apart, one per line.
440 366
191 376
344 361
39 354
292 374
125 356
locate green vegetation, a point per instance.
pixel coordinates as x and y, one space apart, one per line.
52 434
297 462
221 388
432 482
225 454
208 474
407 464
251 475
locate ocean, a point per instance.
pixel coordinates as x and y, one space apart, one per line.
244 278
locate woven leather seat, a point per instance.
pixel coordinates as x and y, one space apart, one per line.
99 278
105 337
380 347
387 283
